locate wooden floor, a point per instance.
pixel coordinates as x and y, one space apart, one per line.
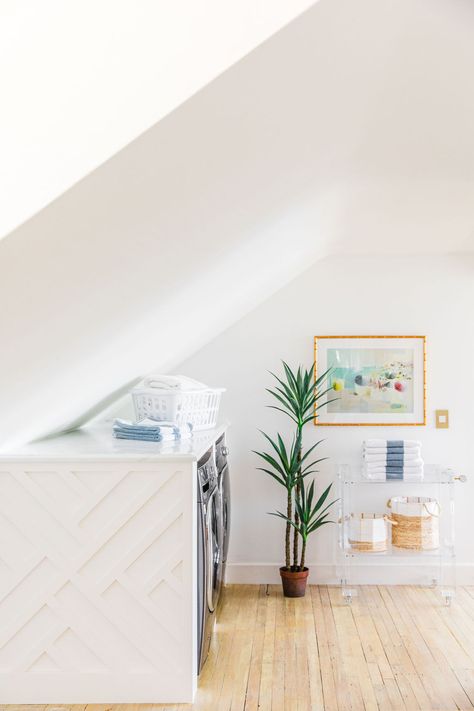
393 648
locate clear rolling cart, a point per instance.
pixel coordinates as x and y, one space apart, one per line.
356 565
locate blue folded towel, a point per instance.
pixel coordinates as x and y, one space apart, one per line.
151 430
142 437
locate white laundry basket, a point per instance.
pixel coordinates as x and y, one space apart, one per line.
368 532
199 407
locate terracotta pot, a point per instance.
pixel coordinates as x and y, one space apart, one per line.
294 583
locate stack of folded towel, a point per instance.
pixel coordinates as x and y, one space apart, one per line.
393 459
151 430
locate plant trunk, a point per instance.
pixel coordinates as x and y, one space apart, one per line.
297 520
288 533
295 535
303 554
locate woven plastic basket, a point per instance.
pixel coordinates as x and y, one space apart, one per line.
199 407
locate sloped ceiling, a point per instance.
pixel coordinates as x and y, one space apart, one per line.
81 79
348 131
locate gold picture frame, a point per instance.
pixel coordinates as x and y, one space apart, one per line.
366 344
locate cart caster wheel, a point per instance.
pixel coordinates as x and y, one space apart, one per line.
348 597
448 598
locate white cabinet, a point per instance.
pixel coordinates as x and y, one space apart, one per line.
98 571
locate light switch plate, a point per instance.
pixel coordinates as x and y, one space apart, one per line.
442 419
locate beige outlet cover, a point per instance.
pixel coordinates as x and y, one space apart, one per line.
442 419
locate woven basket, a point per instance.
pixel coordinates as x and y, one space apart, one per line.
368 532
417 519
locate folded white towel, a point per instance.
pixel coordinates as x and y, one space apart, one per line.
381 476
391 450
382 459
375 476
382 456
172 382
412 464
385 471
391 454
384 442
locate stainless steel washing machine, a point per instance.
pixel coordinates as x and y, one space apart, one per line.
209 556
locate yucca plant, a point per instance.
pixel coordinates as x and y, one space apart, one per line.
298 395
310 517
298 398
287 468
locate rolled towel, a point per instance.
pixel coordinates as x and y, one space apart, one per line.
413 453
408 470
403 477
394 465
380 451
392 475
411 470
375 476
382 458
392 443
372 477
414 464
418 476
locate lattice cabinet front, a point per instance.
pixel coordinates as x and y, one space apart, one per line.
96 582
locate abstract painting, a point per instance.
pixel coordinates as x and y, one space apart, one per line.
372 380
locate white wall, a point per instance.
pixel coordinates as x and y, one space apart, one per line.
230 196
81 79
343 295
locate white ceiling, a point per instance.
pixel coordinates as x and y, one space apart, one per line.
81 79
348 131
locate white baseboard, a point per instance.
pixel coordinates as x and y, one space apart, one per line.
268 574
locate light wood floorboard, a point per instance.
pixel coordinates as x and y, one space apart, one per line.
394 648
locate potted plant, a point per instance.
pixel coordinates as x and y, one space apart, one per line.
297 394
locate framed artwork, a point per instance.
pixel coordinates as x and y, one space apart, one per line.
374 380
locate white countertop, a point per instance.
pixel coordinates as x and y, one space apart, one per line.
96 442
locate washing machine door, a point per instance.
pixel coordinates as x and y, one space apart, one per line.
224 482
213 551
